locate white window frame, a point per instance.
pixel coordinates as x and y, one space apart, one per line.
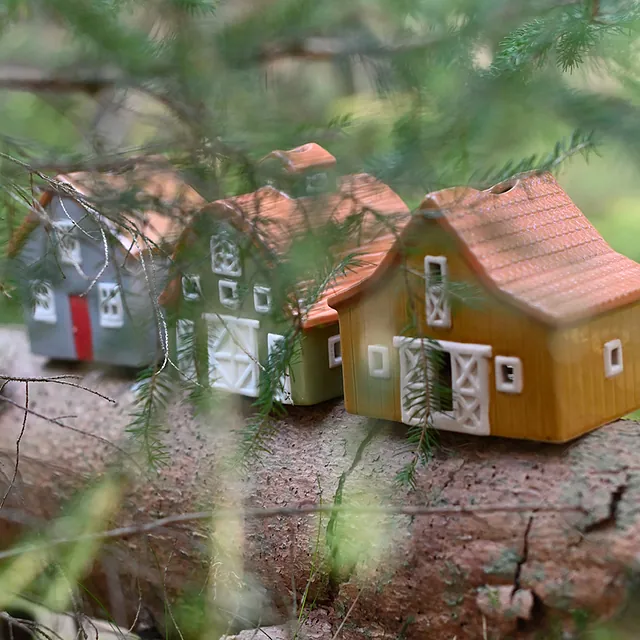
229 302
317 182
65 232
195 280
612 369
109 293
383 371
261 291
230 252
41 313
438 308
509 386
283 393
334 359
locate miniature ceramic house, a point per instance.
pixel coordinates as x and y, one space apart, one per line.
88 284
512 301
225 296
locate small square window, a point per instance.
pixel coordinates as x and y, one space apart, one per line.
613 365
228 293
335 352
508 374
44 309
379 361
317 182
67 243
191 287
262 299
111 308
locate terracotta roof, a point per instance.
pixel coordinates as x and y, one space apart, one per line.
276 220
152 183
366 263
302 158
532 245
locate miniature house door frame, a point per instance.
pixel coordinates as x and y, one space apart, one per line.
233 354
469 370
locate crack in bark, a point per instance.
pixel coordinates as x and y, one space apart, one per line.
523 558
610 520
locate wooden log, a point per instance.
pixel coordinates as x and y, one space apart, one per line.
454 571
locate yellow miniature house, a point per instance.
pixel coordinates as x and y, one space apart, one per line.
534 318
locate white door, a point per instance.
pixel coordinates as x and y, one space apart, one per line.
233 354
275 341
469 375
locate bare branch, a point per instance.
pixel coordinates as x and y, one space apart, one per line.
295 512
18 77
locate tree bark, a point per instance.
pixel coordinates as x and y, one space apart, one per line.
443 576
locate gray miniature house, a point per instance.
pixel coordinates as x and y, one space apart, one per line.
88 283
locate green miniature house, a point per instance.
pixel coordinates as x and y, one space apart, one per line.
232 292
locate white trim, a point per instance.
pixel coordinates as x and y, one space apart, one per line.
384 370
230 302
233 353
611 369
484 350
110 308
261 291
334 359
68 244
221 317
437 307
195 280
222 246
44 308
469 378
283 394
504 385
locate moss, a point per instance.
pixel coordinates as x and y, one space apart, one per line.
505 565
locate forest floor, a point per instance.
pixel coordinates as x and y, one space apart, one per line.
449 573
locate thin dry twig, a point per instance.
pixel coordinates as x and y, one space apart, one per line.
292 512
63 379
62 425
17 464
353 604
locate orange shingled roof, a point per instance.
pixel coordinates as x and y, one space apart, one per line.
533 246
154 183
305 157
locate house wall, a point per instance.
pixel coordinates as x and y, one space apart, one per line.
135 344
312 380
381 313
586 397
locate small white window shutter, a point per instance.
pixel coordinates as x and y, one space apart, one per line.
44 309
438 309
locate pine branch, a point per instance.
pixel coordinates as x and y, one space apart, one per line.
579 144
153 393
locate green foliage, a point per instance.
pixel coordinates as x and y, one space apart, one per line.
154 391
